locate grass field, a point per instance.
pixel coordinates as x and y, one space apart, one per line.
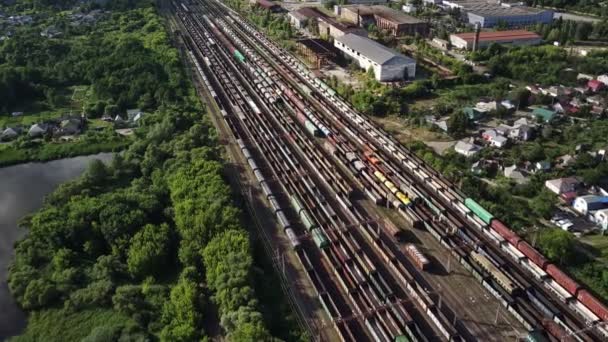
56 325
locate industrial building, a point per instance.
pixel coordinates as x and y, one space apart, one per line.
388 65
329 27
301 17
385 18
317 51
466 41
269 5
490 15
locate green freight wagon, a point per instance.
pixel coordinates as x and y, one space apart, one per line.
319 238
402 338
239 56
536 336
307 220
295 202
483 214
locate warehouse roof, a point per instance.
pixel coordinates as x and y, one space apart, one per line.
318 46
308 12
376 52
498 35
496 10
386 13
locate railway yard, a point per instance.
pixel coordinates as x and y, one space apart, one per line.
378 246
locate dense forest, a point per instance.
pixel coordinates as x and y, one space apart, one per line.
150 245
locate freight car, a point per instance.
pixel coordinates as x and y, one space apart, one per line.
417 257
478 210
498 275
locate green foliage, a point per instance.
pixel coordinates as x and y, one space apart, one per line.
149 250
458 124
228 262
182 313
557 245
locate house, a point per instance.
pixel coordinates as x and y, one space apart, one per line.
587 203
133 115
603 79
546 115
566 160
494 138
472 113
542 166
601 218
442 123
118 119
37 130
514 173
10 133
388 65
596 100
70 126
465 148
560 108
576 102
508 104
106 118
563 185
582 76
521 132
50 32
595 85
15 114
483 165
485 107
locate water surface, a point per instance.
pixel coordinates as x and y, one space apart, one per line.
22 190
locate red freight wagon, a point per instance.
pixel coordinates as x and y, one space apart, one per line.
556 331
532 254
564 280
593 304
505 232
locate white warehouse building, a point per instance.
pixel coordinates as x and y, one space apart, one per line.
388 64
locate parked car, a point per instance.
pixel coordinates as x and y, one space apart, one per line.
562 223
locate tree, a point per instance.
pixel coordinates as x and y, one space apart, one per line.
149 250
557 245
458 124
543 204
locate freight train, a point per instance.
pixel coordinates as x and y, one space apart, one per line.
544 268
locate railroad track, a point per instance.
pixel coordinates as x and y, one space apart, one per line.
384 319
443 195
484 252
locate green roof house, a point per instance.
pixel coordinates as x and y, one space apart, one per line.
472 113
546 114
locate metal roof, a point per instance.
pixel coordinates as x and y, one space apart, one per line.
498 36
376 52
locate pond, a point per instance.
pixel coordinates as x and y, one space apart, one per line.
23 188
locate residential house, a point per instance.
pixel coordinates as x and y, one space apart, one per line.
119 119
494 138
485 107
563 185
514 173
106 118
603 79
134 115
50 32
14 114
558 107
70 126
533 89
467 149
10 133
37 130
503 130
472 113
576 102
508 104
546 115
587 203
442 123
582 76
596 100
566 160
521 132
483 165
595 85
301 17
601 218
542 166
